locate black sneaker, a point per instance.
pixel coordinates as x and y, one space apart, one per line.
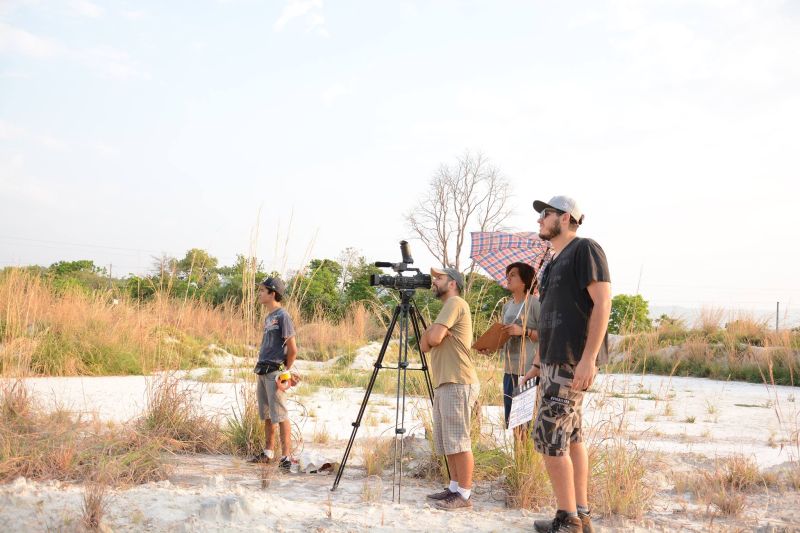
562 523
441 495
454 501
260 458
285 464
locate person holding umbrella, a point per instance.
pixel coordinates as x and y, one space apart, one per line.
575 296
520 316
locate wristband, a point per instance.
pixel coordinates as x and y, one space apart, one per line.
537 366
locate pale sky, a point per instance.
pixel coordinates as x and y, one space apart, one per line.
131 129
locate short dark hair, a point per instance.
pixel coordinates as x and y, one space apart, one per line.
573 224
278 296
526 274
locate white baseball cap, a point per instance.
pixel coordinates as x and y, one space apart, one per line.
562 203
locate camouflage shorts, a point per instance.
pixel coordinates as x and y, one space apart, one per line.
559 409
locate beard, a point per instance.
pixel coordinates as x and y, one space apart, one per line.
437 293
554 232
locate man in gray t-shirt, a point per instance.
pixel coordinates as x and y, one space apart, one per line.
276 355
278 327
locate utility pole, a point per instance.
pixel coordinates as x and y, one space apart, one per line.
777 314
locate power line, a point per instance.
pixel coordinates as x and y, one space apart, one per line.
83 245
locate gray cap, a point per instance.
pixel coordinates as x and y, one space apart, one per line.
454 274
275 285
562 203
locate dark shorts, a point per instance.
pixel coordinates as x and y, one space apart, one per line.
559 411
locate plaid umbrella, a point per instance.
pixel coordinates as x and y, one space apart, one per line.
493 251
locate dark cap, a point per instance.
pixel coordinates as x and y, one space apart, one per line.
275 285
454 274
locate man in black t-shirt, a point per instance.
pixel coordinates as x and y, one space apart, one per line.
575 296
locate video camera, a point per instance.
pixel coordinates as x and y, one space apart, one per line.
400 282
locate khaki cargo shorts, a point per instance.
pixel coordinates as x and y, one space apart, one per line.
559 411
452 410
271 400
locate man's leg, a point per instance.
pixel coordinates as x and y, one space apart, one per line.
559 468
286 438
452 464
580 467
558 421
269 434
458 401
461 467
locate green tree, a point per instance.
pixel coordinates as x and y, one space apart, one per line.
629 314
357 288
82 274
197 266
64 268
317 289
230 282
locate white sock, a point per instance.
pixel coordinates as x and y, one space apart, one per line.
269 453
464 493
453 486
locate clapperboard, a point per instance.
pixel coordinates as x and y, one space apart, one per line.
522 404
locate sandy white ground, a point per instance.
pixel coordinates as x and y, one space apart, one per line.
682 423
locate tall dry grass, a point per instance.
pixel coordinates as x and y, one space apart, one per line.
44 332
617 481
730 346
321 339
243 429
39 445
57 333
173 416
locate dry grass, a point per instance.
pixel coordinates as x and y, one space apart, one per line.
44 446
617 483
45 332
321 435
243 429
376 454
726 485
710 320
174 416
267 472
321 338
793 476
372 489
95 502
526 481
57 333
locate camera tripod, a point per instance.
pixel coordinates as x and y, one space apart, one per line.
406 314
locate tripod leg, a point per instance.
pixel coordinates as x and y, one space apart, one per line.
357 423
416 320
400 413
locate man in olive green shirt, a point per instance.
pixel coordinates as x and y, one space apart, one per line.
456 386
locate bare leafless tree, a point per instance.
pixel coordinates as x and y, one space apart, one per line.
471 195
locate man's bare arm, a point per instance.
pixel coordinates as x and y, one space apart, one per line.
600 293
291 351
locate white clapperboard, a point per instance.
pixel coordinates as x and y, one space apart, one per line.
522 404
